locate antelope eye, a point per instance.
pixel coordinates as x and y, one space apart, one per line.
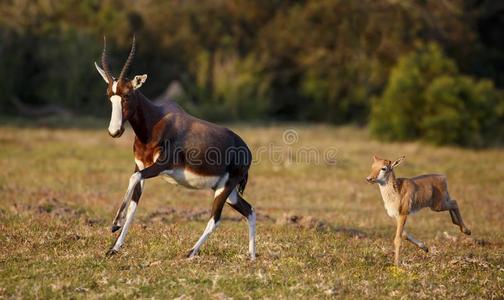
384 169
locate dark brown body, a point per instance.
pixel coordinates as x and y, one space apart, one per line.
168 139
183 149
179 140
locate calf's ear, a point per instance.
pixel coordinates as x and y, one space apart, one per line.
398 161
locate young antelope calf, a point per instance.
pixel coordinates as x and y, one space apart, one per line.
403 196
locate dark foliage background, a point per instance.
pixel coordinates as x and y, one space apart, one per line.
415 68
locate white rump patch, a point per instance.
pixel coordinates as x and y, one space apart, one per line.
189 179
116 117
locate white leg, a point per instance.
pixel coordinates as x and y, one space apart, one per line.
211 226
252 233
233 197
251 219
129 219
134 180
121 215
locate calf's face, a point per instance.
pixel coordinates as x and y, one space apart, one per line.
381 169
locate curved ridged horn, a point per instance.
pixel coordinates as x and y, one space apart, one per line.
104 60
128 61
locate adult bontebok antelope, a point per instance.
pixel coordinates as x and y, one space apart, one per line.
179 147
403 196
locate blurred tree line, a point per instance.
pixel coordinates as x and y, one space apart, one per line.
428 69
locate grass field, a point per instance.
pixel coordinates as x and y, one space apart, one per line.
322 230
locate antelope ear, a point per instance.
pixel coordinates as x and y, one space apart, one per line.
138 81
102 73
398 161
375 158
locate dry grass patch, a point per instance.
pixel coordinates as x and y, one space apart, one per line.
322 231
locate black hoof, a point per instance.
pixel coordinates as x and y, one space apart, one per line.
111 252
190 254
426 249
466 231
115 228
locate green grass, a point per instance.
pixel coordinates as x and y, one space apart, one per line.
59 190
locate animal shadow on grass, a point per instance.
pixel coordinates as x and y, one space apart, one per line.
172 215
310 222
49 204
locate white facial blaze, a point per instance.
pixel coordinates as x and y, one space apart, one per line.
116 117
114 87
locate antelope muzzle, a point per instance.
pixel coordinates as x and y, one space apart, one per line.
371 179
118 133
